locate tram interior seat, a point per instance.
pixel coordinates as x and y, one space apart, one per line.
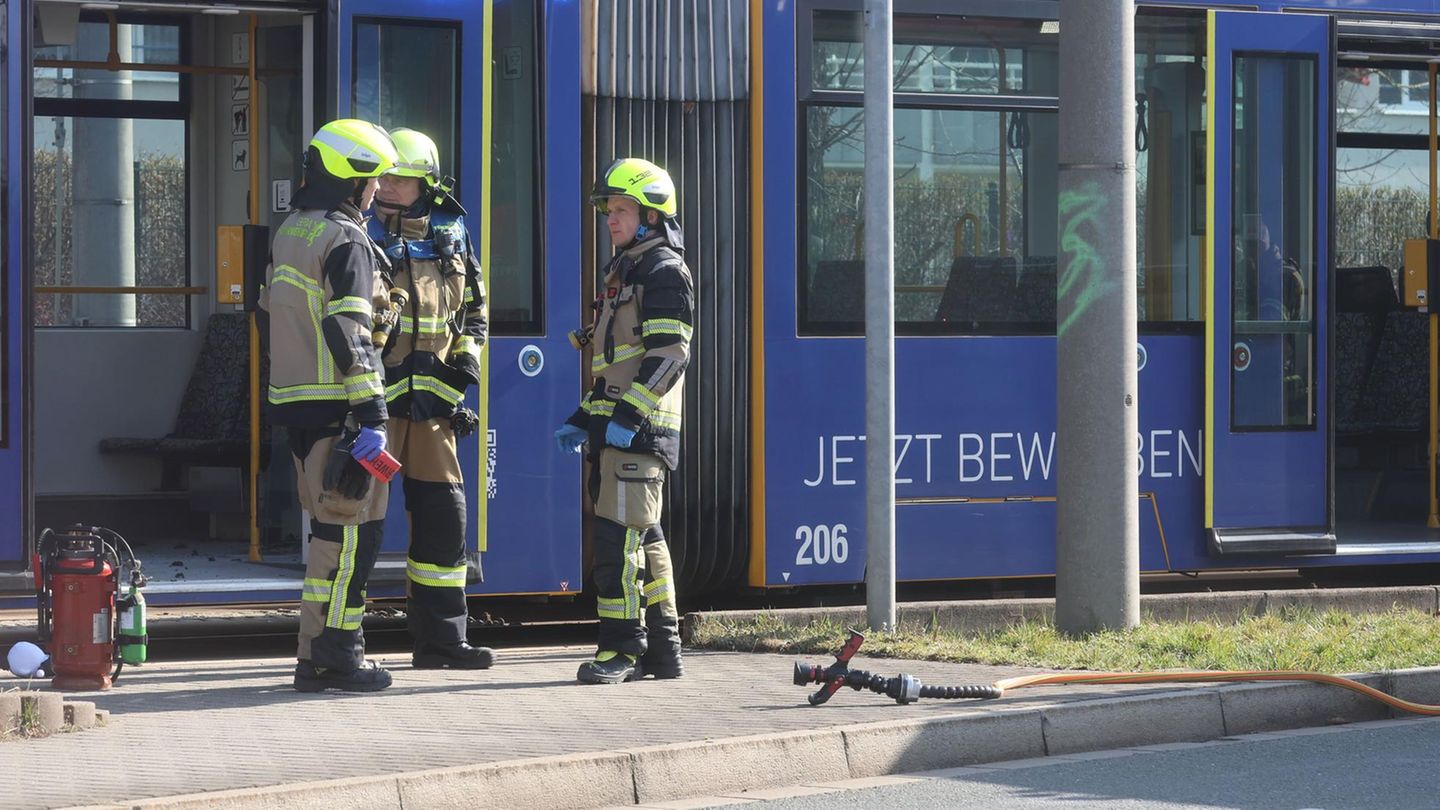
1396 392
999 289
1364 297
212 428
837 293
1381 353
1035 299
981 289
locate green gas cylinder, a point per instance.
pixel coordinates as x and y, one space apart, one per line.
131 637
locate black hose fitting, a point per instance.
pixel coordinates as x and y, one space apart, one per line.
903 688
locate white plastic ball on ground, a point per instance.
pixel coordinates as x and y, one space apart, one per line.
26 660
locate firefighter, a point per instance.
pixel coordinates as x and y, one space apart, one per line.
639 346
431 357
321 289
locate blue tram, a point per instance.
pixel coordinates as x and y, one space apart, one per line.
1287 355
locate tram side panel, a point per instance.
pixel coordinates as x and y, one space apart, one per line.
975 419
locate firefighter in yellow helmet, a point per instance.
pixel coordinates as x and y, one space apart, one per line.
431 356
639 346
321 290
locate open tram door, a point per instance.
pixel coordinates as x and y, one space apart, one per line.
1267 428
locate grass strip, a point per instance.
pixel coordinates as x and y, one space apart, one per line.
1300 638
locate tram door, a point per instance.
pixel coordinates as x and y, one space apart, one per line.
468 75
1267 482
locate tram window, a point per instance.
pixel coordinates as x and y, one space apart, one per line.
938 54
1170 166
102 137
5 180
1382 169
975 186
974 252
81 166
1381 199
406 76
1273 240
515 257
139 44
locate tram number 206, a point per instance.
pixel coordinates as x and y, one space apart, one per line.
822 544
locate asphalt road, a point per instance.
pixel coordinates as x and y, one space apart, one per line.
1391 764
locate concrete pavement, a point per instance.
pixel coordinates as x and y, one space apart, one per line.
524 735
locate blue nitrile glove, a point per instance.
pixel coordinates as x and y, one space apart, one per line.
618 435
369 445
570 438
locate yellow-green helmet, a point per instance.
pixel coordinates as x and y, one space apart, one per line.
640 180
351 148
418 156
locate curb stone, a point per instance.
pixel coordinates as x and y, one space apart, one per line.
51 708
647 775
80 714
1280 706
1193 715
9 711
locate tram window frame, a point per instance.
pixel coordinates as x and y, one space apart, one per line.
535 324
808 97
456 147
1415 144
1313 372
5 356
178 109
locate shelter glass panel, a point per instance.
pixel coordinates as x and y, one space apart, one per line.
1273 242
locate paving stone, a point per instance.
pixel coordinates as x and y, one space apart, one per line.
237 725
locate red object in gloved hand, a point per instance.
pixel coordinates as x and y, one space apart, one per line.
369 444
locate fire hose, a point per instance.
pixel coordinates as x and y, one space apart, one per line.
905 688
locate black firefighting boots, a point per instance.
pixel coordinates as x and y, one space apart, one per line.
455 656
610 667
369 677
663 662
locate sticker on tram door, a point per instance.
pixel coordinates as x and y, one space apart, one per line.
1240 356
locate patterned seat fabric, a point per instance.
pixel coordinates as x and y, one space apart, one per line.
212 427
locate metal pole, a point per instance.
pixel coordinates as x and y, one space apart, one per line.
1097 535
879 318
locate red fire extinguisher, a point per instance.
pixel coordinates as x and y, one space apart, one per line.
77 576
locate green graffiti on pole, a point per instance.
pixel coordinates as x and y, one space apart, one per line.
1084 280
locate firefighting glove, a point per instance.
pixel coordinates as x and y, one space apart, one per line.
464 422
369 444
618 436
569 438
343 474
